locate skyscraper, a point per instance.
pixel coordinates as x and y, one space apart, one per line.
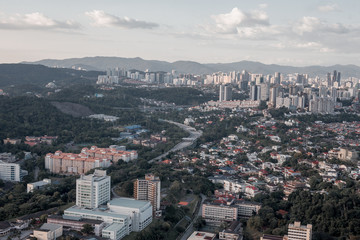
93 190
273 94
255 92
297 231
335 76
221 93
149 189
225 93
277 78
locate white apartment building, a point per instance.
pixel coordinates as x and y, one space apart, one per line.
93 190
216 213
297 231
247 209
11 172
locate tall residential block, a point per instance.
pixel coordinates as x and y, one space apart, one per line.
93 190
297 231
11 172
225 93
149 189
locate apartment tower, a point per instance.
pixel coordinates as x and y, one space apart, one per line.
149 189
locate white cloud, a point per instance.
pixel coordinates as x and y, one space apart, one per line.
328 8
102 19
313 24
34 20
238 21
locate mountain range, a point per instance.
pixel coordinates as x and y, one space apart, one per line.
103 63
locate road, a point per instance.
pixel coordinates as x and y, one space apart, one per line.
188 141
113 192
189 230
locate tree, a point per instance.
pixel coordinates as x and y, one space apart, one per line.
87 229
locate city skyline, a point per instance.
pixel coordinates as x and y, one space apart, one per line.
297 33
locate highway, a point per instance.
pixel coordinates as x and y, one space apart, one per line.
188 141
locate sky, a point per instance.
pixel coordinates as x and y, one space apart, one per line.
286 32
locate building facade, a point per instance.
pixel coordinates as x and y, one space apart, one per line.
11 172
93 190
297 231
149 189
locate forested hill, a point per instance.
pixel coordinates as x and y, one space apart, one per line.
39 75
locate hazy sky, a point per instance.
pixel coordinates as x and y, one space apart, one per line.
288 32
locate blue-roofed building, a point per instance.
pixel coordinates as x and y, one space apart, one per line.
133 127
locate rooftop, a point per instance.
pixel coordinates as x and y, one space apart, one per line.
128 202
79 210
114 227
50 226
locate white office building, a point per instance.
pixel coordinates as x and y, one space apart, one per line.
140 212
121 216
93 190
11 172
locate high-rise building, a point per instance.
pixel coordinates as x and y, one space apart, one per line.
338 79
149 189
221 93
225 93
322 91
273 95
277 78
264 93
255 92
329 80
93 190
335 77
297 231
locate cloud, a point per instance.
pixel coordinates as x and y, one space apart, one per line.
328 8
232 21
34 20
102 19
263 5
253 25
313 24
241 22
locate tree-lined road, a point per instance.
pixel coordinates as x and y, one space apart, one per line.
188 141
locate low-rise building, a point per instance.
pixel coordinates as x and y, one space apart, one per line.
38 185
12 141
76 223
247 209
233 232
197 235
48 231
219 213
297 231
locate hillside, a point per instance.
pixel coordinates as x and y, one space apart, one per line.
102 63
39 75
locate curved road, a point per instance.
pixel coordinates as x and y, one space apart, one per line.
188 141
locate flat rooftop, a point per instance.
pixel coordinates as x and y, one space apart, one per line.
128 202
107 213
114 227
